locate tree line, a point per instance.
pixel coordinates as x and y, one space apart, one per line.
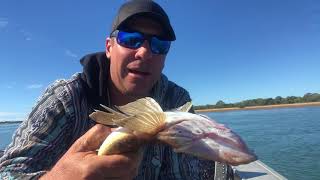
308 97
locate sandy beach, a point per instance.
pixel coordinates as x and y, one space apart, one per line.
261 107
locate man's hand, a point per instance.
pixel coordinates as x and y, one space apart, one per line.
82 162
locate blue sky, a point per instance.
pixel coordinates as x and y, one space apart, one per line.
225 50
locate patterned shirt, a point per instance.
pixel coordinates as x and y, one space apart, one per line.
61 116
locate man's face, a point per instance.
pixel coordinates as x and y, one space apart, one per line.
134 71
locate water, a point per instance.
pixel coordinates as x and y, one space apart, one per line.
287 140
6 131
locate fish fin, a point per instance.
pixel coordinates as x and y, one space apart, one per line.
144 122
106 118
141 105
112 111
102 117
146 116
185 108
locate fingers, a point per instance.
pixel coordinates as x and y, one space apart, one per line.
117 162
92 139
114 166
82 162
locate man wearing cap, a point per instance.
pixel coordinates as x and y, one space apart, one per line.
59 141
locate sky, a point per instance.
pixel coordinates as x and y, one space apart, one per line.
226 50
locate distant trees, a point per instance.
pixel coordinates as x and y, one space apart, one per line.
311 97
220 104
278 100
308 97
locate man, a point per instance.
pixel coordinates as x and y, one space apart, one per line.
59 141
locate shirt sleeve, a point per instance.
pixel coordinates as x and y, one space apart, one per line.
41 139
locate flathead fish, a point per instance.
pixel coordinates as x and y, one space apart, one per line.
185 132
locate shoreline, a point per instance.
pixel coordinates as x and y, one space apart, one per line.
260 107
231 109
10 122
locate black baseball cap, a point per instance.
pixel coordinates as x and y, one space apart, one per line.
147 8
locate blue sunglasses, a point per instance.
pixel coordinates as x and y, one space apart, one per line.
134 40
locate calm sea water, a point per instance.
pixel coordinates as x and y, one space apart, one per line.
287 140
6 131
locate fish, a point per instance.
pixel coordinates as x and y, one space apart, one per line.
143 120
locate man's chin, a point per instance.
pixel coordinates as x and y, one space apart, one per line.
138 92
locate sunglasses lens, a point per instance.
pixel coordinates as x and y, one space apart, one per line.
159 46
131 40
134 40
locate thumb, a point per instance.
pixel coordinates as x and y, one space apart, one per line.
92 139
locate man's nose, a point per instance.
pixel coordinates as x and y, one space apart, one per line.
144 52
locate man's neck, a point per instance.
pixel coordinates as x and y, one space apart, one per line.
118 98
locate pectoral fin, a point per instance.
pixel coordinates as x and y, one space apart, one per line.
102 117
106 118
185 108
146 104
143 115
148 122
146 116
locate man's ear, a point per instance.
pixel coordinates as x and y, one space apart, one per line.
108 47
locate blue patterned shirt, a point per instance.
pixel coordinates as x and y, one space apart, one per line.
61 116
